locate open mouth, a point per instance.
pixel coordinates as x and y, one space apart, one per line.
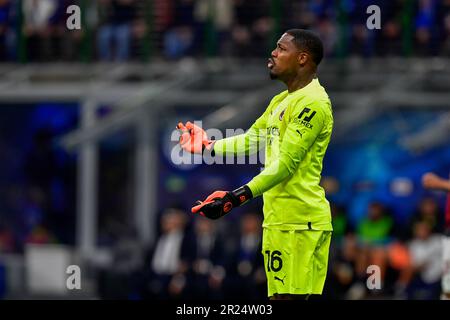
270 63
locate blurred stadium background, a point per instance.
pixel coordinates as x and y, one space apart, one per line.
86 118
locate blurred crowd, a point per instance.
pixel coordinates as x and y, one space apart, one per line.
409 255
130 30
204 259
191 259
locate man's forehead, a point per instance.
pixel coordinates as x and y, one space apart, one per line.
286 38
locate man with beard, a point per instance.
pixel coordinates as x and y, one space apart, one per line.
296 129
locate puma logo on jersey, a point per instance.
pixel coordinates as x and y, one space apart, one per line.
279 279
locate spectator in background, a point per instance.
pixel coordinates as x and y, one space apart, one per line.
165 278
37 18
327 30
178 42
40 234
41 171
390 45
425 27
428 211
363 39
67 43
376 228
374 233
341 224
390 38
215 17
114 33
444 27
202 257
5 9
246 278
57 31
2 280
340 250
7 242
183 35
426 259
122 279
41 168
342 274
433 182
251 28
445 49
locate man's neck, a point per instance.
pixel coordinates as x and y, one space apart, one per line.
300 81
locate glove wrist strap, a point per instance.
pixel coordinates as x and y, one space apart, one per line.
241 195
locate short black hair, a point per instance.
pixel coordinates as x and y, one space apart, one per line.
309 41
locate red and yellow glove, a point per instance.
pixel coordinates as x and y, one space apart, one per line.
219 203
193 138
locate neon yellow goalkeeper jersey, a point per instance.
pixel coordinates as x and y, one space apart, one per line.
296 129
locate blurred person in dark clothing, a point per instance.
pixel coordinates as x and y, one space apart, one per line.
40 234
252 25
5 28
363 38
341 223
65 43
214 19
327 29
41 168
246 278
122 279
178 42
7 241
389 38
343 252
428 210
41 172
342 274
38 16
202 256
2 280
425 23
114 33
445 46
165 268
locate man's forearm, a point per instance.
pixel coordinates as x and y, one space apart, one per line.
244 144
276 173
268 178
446 185
434 182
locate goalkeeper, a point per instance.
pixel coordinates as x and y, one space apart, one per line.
296 129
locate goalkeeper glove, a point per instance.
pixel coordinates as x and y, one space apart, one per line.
219 203
193 138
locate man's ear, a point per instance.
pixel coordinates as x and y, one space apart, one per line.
302 58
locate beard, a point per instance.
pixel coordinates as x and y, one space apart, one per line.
273 76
